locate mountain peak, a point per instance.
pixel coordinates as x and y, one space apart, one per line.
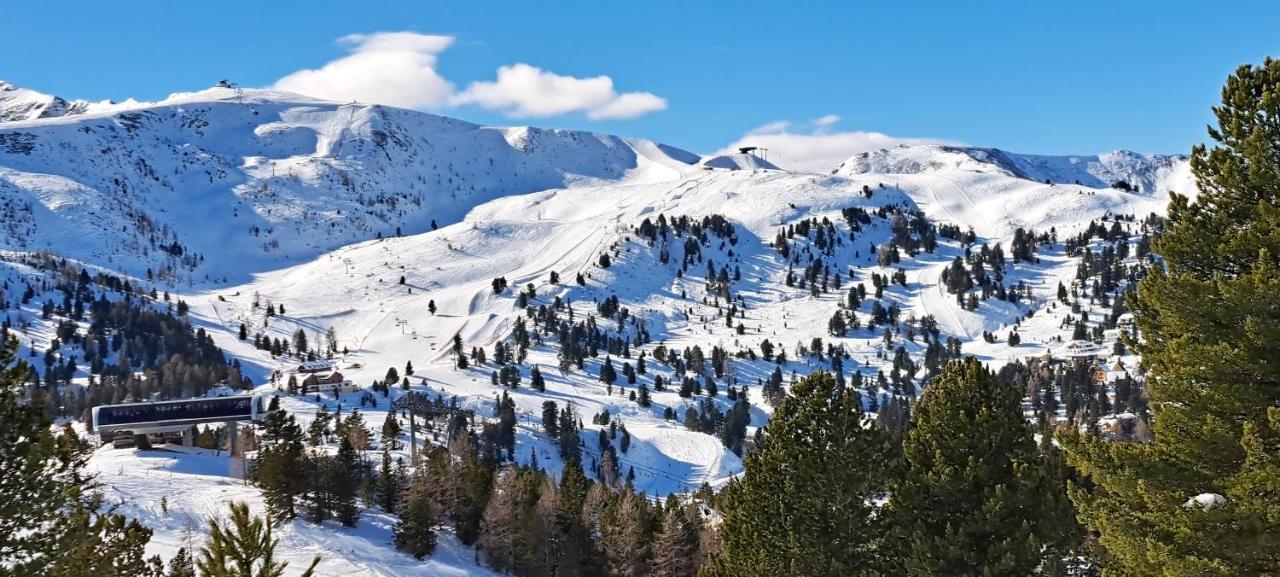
19 104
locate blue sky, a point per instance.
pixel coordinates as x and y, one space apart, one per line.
1043 77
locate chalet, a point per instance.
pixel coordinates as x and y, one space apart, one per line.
320 366
1103 374
1081 348
332 382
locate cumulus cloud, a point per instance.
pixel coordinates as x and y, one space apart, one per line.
815 148
399 69
394 68
522 90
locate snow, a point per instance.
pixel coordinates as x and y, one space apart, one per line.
1204 501
17 103
324 207
175 493
738 162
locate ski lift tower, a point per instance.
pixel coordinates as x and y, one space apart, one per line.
224 83
756 151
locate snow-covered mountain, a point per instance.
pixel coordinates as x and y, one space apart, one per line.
17 103
223 178
1151 173
390 228
995 191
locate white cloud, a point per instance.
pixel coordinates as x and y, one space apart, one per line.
394 68
522 90
816 150
824 122
399 69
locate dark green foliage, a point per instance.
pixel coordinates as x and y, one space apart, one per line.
803 507
1210 327
281 459
415 531
49 523
976 496
345 483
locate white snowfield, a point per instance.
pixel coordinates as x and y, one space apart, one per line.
297 202
175 494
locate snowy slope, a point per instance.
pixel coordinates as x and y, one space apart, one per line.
176 493
207 185
996 191
224 197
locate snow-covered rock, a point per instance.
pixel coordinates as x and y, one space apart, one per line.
17 103
1204 501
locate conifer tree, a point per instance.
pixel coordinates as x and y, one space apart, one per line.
415 531
49 525
281 456
389 482
468 484
243 547
513 536
181 564
976 496
803 507
1207 321
391 431
536 381
627 535
345 482
675 548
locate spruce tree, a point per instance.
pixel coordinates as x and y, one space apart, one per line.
1207 321
976 497
803 508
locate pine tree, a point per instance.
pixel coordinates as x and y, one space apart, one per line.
569 544
49 524
345 482
536 381
513 536
415 531
976 497
803 507
391 431
181 564
281 455
389 483
243 547
1208 322
468 485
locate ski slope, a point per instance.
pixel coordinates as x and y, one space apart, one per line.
225 198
